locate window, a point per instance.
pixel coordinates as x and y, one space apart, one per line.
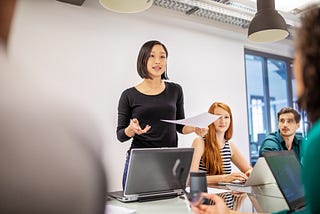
270 86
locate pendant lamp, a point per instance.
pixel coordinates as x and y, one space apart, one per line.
126 6
267 25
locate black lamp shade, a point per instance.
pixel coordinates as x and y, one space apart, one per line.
75 2
267 25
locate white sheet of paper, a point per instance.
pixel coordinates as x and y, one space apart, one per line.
111 209
212 190
217 190
202 120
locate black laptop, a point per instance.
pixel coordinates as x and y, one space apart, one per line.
150 174
286 170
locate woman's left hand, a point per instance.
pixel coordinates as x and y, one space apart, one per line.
248 172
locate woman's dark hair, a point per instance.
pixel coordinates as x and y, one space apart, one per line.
143 57
308 45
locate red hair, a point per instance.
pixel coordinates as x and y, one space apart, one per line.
211 156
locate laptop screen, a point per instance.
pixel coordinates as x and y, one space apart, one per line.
150 170
287 172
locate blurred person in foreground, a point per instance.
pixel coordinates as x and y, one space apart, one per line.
307 76
49 156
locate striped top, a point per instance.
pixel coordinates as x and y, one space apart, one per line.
225 153
228 199
226 159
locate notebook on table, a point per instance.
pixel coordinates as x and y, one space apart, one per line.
150 174
286 169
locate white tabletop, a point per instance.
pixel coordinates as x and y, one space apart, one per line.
247 202
175 206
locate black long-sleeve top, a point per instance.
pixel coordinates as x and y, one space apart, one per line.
149 110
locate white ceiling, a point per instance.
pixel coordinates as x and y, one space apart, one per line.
291 5
231 15
236 13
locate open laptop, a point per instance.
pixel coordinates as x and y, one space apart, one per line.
150 174
286 169
260 175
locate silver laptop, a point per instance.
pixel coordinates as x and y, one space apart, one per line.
260 175
268 204
287 171
150 174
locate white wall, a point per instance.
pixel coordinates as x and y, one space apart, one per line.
91 53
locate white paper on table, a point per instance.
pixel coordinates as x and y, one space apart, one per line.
217 190
111 209
202 120
212 190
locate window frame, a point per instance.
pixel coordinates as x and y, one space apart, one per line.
266 92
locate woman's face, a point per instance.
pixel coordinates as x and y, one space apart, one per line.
297 72
157 62
222 123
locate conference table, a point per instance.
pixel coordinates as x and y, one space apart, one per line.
244 200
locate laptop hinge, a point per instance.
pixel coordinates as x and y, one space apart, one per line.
157 197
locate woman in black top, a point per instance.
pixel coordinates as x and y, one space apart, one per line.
142 107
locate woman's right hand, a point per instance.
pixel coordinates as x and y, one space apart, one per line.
201 132
235 176
134 128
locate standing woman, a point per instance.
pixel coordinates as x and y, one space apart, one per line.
142 107
214 152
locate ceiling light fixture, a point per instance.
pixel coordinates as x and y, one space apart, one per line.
126 6
267 25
